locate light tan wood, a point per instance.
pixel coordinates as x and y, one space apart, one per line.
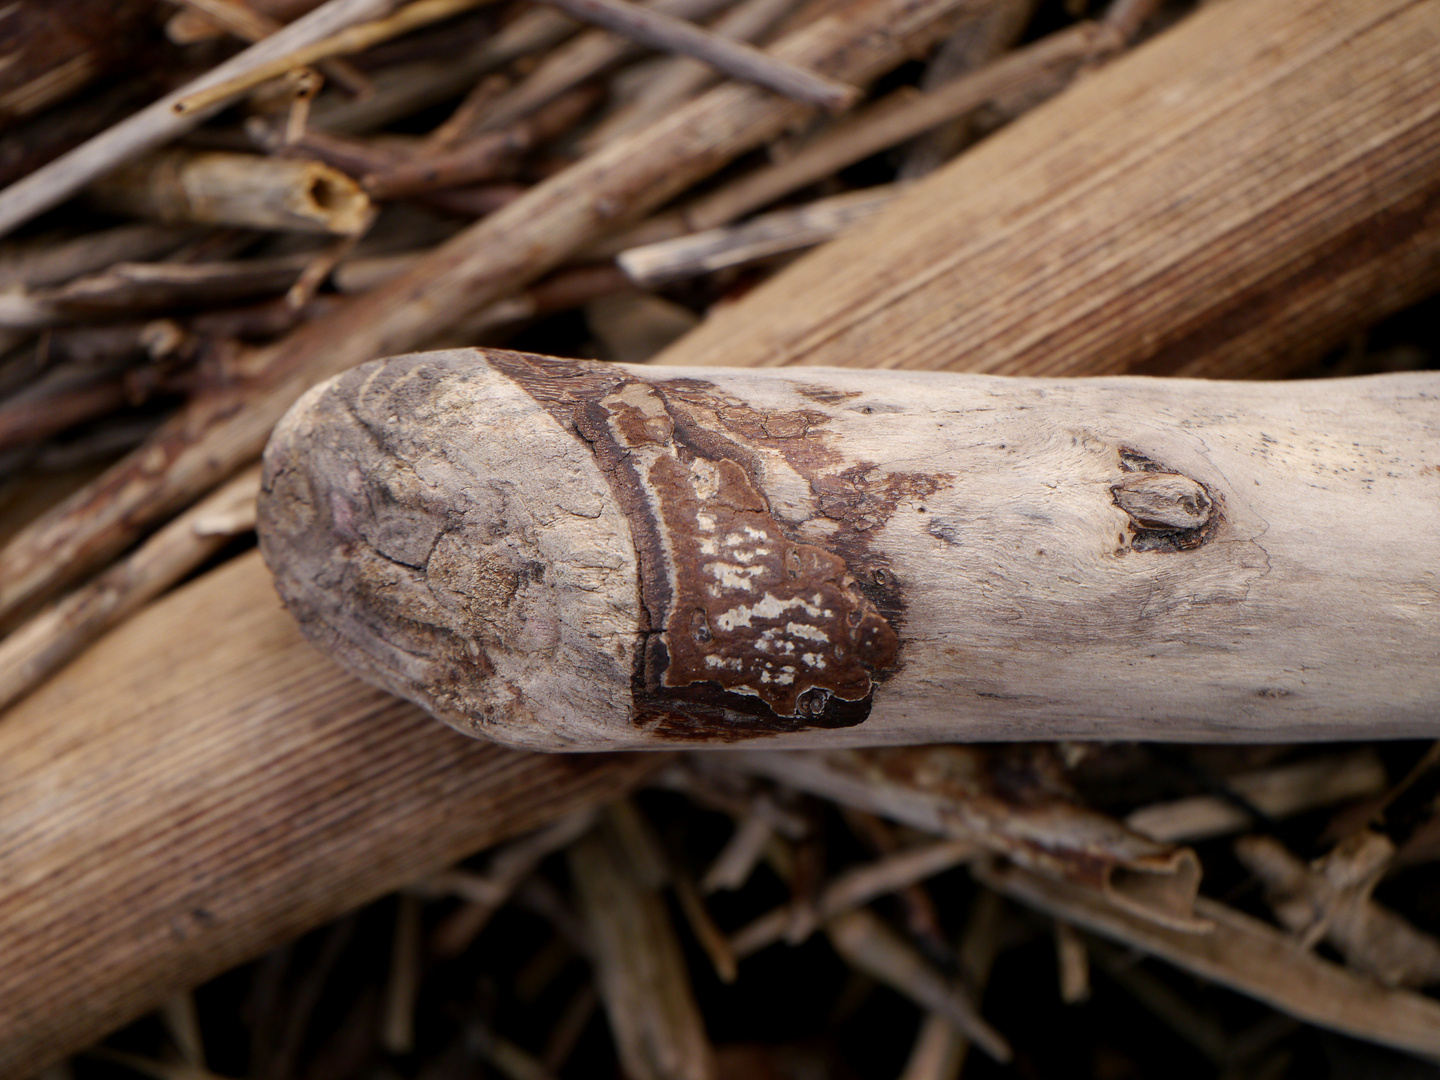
577 556
654 1019
1231 199
777 233
248 190
201 786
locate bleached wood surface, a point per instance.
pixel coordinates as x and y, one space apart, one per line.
728 555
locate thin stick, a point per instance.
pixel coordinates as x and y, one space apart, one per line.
940 1048
740 855
702 924
587 56
52 638
734 58
249 25
639 967
891 122
777 233
398 1030
1247 955
159 123
858 886
353 39
1279 792
404 90
242 190
868 944
681 78
491 155
978 42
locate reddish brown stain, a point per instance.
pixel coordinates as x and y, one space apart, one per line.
749 631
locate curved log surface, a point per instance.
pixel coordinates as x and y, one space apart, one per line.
570 555
202 786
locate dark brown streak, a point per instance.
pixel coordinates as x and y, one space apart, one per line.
750 631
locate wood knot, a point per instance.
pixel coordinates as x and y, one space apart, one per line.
1161 500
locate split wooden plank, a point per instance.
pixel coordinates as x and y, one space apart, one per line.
202 786
1231 199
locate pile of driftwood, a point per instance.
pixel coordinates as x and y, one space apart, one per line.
212 205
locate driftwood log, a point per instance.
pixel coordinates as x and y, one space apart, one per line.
565 555
202 786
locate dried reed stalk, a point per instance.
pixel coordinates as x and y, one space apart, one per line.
245 190
1247 955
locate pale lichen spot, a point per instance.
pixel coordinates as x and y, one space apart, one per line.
734 576
767 607
805 630
704 479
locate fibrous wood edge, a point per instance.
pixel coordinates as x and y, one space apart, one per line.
201 786
1231 199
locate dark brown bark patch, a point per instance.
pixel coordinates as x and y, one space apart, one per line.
750 631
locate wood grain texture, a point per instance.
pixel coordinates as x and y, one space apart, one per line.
1230 200
570 555
202 786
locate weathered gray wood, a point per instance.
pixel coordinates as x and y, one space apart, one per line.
572 555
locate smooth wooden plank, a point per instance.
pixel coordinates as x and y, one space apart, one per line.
202 785
1230 200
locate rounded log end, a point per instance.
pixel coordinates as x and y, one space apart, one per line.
436 530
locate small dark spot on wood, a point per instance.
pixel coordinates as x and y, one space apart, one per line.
825 395
1273 692
1134 461
944 531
